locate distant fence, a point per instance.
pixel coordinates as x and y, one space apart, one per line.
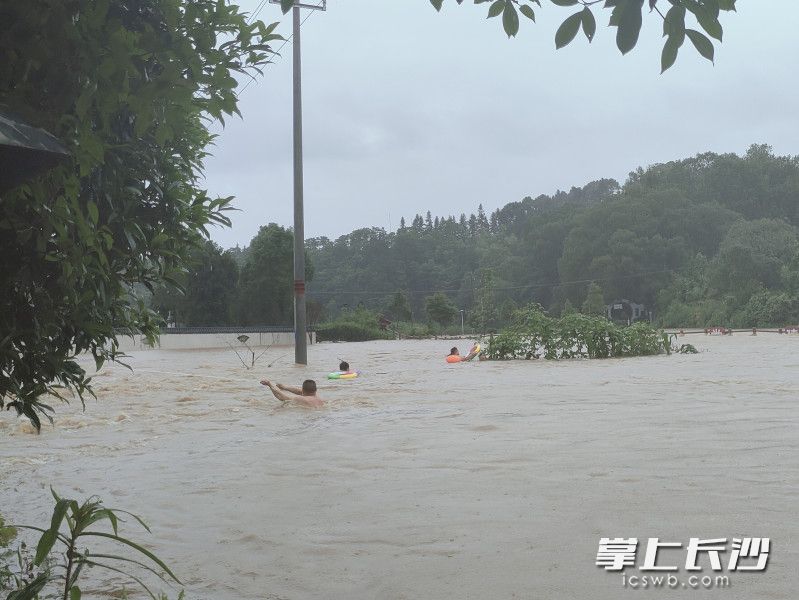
197 338
237 330
728 331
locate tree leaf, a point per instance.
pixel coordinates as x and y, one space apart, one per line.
496 9
50 536
589 23
510 19
669 54
90 557
136 547
31 590
629 27
94 214
91 563
702 44
527 11
710 24
674 21
61 506
568 30
712 8
44 546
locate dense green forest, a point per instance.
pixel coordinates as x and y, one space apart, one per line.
709 240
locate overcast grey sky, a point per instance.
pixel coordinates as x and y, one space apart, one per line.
407 110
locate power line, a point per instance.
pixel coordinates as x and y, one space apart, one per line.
530 286
254 13
276 52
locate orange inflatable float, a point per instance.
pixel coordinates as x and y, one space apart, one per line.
456 358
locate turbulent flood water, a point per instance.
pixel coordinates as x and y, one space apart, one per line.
485 480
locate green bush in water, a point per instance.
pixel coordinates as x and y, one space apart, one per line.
534 334
349 332
687 349
413 330
359 325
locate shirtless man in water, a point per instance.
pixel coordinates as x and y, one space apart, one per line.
304 397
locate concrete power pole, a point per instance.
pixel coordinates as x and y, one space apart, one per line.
300 333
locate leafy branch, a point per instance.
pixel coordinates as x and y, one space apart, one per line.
626 16
132 86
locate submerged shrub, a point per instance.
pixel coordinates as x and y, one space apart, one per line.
359 325
687 349
534 334
349 332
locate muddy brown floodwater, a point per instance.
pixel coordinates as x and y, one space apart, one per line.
486 480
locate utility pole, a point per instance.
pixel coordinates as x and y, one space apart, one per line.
300 341
300 334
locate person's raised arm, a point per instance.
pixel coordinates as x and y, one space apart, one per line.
283 397
288 388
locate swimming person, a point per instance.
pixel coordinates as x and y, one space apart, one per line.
453 356
344 372
304 397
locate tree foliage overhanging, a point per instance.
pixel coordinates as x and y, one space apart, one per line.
130 87
626 16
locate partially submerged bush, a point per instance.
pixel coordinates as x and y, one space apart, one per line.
413 330
686 349
534 334
358 325
349 332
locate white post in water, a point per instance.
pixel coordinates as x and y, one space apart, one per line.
300 334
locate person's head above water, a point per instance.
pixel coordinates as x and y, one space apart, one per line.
453 351
308 387
344 366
